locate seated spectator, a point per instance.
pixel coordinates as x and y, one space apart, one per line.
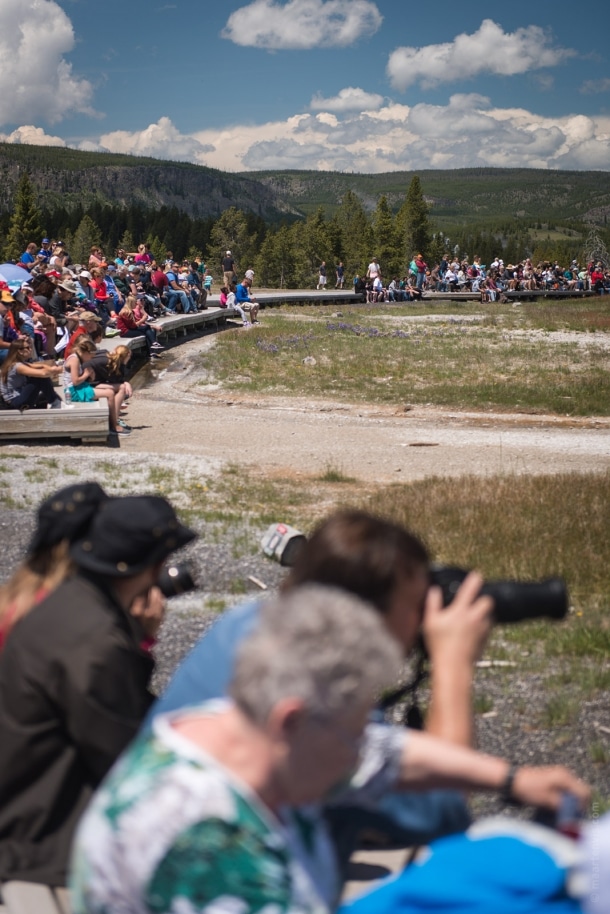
30 257
129 325
8 331
232 303
597 279
143 256
44 253
230 790
87 322
78 388
96 258
227 781
194 285
59 256
111 368
62 519
175 295
43 324
25 383
116 296
85 287
65 718
245 303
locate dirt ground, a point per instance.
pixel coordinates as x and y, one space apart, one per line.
180 414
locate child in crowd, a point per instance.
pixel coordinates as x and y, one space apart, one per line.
128 324
78 376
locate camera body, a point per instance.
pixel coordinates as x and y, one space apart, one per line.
175 580
514 601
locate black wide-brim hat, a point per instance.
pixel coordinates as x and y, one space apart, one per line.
66 515
130 534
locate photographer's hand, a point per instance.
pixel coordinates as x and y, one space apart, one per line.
455 636
149 610
546 786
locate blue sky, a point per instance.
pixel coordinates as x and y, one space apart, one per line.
351 85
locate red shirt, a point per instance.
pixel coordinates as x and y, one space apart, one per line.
125 323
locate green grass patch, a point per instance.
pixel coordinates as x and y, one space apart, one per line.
377 357
335 474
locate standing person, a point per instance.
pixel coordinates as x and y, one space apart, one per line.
374 270
243 300
74 682
420 277
322 276
340 272
228 269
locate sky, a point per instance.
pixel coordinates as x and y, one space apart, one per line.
345 85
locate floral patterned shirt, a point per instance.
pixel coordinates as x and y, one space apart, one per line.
171 830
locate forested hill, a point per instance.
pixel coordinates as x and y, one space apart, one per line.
67 177
462 195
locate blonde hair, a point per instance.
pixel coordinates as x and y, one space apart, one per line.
130 303
45 570
118 358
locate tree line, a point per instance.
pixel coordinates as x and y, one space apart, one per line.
286 255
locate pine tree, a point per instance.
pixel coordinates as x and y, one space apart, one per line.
86 235
25 222
356 235
413 224
127 243
385 243
230 233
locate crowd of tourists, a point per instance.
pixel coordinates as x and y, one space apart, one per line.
246 785
491 281
54 314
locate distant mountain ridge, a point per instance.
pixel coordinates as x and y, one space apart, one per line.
66 177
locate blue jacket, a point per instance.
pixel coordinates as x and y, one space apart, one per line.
241 294
205 673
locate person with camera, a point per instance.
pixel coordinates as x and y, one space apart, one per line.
385 565
74 677
216 809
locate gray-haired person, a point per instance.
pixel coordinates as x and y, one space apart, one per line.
215 807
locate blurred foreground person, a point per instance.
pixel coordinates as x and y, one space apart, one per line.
61 520
214 809
74 682
385 565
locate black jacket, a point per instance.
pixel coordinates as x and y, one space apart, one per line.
73 691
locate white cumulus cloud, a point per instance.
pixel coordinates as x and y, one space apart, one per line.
161 140
488 50
31 136
302 24
35 77
349 99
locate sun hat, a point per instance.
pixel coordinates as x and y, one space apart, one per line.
130 534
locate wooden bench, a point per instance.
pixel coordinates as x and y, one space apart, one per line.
31 898
89 421
85 421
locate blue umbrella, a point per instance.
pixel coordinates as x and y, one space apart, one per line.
10 273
